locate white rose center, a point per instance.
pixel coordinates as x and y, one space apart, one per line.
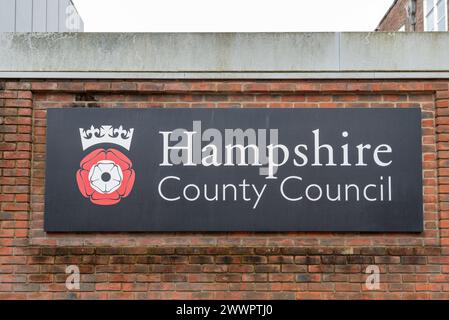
105 176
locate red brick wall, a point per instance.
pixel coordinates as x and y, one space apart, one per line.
215 265
397 17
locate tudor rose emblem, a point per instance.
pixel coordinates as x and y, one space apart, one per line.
105 175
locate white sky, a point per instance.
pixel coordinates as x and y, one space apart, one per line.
230 15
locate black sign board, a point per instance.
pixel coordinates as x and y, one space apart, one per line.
233 170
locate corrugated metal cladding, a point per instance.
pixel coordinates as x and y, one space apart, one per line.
39 16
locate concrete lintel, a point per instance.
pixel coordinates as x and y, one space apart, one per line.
225 75
224 55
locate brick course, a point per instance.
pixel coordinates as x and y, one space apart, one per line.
293 265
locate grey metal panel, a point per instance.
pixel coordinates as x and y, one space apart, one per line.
63 15
81 29
24 15
52 15
39 15
69 19
7 15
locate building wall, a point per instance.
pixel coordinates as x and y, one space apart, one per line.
39 16
235 265
397 17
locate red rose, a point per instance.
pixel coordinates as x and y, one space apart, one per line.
105 176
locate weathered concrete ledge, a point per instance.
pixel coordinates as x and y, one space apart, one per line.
224 55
